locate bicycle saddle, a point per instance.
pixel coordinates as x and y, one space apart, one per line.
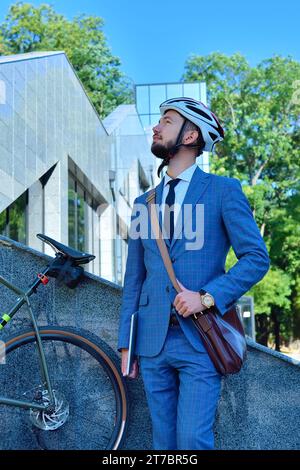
77 256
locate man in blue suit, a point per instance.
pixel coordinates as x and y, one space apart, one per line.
201 215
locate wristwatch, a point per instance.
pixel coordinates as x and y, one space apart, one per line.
206 299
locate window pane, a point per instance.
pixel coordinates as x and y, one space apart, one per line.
174 91
17 219
154 119
80 219
72 212
142 99
3 223
89 225
192 90
145 120
157 96
82 208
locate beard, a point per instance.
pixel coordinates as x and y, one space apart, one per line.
160 150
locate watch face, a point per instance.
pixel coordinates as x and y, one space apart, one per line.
208 301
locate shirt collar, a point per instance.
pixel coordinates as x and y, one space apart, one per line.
185 175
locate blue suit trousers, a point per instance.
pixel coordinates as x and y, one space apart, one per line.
182 388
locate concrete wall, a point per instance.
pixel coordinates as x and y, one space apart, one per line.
259 407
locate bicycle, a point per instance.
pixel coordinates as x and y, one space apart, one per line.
71 394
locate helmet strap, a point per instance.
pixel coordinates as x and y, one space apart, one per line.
178 143
175 148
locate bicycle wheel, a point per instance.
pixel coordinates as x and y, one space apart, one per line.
92 400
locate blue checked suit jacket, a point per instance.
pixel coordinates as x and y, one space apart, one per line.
228 221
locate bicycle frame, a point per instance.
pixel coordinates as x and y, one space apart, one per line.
24 299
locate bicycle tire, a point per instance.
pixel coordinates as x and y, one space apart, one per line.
88 346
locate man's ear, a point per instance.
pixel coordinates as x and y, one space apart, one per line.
191 137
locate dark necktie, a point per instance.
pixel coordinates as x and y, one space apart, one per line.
169 214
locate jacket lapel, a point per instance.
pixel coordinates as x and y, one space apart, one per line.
197 186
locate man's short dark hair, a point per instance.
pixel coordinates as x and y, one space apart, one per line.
190 126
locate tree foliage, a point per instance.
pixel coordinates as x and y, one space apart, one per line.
259 108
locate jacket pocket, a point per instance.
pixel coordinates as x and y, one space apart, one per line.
143 299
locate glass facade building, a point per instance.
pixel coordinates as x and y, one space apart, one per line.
66 173
150 96
63 171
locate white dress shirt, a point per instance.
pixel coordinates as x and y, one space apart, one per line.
180 190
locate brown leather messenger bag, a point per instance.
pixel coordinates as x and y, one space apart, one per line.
222 335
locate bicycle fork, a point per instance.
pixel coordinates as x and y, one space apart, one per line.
24 298
41 355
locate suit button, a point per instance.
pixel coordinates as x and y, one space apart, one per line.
173 259
167 288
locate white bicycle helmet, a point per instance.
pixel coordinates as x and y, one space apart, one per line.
200 115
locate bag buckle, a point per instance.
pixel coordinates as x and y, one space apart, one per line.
197 314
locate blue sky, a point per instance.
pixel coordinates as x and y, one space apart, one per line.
154 38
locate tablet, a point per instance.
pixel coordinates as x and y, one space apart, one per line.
132 339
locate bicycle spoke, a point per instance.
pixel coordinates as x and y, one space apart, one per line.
80 379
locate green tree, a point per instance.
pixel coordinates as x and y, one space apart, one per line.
260 117
260 110
284 238
273 307
296 308
27 28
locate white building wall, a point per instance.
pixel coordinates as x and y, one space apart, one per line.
35 215
46 119
47 115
